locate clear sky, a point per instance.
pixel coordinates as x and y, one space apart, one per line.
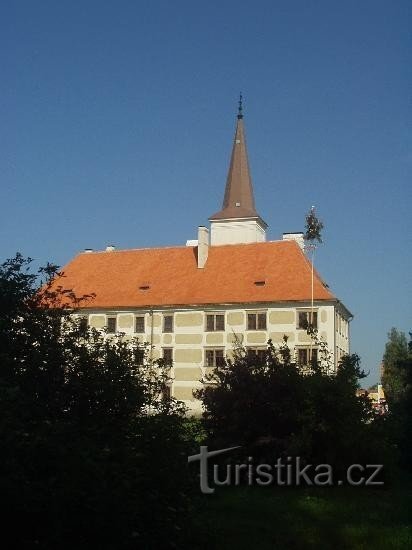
117 121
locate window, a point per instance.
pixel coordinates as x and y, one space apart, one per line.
305 356
168 355
307 318
139 355
111 325
167 323
214 357
139 324
215 322
256 321
260 353
83 323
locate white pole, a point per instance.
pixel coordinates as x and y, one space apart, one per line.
311 304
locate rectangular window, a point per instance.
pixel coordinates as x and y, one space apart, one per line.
214 357
256 321
168 355
260 353
305 356
139 324
214 322
111 325
167 323
307 318
83 323
139 355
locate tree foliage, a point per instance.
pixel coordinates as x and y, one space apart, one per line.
397 383
393 379
313 227
93 449
273 407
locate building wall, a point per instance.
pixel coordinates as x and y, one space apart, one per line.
236 231
190 340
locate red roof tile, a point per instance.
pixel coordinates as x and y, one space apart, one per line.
173 278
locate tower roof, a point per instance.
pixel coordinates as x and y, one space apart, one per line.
238 201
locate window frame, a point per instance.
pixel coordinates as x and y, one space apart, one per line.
171 317
310 352
108 319
215 324
167 361
215 359
136 317
257 351
258 315
307 312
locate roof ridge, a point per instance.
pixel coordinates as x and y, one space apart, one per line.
181 246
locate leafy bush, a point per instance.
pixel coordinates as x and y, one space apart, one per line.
274 408
94 451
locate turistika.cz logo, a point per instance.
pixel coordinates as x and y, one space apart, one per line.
289 472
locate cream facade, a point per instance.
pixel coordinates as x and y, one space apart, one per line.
194 345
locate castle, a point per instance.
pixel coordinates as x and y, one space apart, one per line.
192 303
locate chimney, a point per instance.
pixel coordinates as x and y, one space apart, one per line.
298 237
203 246
110 248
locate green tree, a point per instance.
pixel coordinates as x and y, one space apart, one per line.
93 450
397 383
393 379
273 407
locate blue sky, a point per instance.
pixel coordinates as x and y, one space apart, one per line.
117 120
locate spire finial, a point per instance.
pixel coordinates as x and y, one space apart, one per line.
240 113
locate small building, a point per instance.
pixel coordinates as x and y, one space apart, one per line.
193 302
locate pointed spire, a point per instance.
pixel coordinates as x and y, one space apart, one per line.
238 201
240 111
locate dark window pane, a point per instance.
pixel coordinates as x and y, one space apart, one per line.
315 319
168 323
139 325
219 358
111 325
139 356
303 356
209 358
303 319
210 323
251 321
314 354
261 353
220 322
168 355
262 321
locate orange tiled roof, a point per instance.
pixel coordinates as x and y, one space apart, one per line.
173 278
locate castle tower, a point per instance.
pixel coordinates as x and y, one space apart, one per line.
238 221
